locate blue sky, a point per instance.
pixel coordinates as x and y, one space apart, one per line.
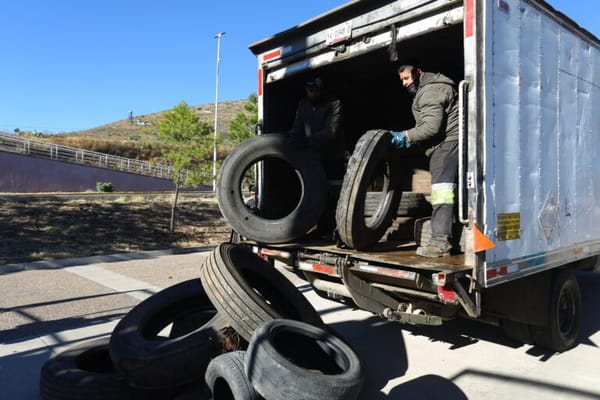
77 64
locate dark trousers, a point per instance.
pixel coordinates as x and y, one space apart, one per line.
443 165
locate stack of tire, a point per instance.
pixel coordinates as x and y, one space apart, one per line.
362 215
241 331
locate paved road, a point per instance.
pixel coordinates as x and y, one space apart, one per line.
48 306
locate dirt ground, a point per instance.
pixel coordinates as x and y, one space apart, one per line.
32 230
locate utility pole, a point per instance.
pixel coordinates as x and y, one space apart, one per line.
218 37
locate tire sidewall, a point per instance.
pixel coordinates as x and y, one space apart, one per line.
251 225
274 376
144 360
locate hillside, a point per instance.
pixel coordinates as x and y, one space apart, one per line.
136 138
124 130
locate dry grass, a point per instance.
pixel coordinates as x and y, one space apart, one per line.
43 230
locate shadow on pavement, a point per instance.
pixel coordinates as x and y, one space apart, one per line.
382 351
427 387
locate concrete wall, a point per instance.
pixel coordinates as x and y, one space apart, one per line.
23 174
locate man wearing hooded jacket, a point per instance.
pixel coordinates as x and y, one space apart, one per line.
319 124
435 109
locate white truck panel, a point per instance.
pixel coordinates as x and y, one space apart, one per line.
542 186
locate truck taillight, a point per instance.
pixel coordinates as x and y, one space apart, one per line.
447 295
322 269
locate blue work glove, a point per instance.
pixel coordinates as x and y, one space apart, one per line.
400 140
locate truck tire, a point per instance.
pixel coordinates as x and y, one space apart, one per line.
83 371
252 225
248 291
564 320
226 380
293 360
154 362
372 155
412 204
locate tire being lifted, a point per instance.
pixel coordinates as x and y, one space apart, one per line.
248 291
372 155
302 217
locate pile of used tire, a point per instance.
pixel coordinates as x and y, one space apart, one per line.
240 331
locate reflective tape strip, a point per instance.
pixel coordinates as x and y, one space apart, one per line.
443 193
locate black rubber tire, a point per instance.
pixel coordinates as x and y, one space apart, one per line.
83 371
153 362
564 318
251 225
412 204
248 291
226 380
293 360
372 151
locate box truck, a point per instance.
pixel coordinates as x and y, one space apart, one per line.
528 213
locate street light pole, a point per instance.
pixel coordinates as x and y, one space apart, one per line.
218 37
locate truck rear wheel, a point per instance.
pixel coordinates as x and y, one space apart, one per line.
298 218
372 165
564 321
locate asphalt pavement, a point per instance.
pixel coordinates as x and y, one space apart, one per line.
46 307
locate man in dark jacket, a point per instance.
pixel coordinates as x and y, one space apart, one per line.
435 108
318 124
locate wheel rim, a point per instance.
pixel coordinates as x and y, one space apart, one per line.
566 312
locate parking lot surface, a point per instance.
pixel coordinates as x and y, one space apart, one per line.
46 307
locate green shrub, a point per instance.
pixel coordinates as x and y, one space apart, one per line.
104 187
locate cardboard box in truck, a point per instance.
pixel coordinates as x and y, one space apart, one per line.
528 79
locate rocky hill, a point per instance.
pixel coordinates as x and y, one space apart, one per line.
126 129
135 137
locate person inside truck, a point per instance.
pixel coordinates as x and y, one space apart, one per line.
435 109
318 125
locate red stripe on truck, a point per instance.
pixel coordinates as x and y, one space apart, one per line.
469 18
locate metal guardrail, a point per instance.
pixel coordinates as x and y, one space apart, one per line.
49 151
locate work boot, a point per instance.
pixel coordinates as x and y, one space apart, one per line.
439 246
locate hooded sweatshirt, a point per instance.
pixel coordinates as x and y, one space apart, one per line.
435 108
